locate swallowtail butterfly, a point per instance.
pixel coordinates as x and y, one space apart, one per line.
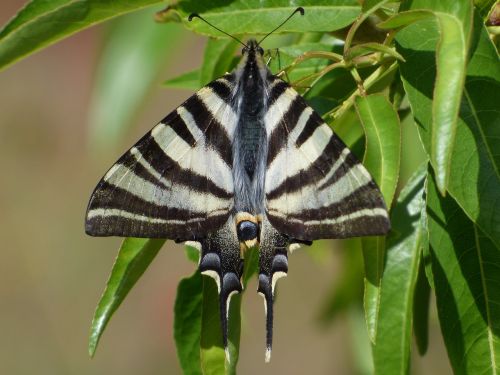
243 162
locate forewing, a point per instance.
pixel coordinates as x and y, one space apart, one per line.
176 182
315 187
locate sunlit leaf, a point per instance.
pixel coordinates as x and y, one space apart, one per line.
187 323
41 23
474 170
391 351
257 17
454 20
134 257
382 157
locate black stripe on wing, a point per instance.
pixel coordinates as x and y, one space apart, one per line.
176 182
315 187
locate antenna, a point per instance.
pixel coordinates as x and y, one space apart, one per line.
299 9
196 15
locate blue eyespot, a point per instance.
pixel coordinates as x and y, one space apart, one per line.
247 230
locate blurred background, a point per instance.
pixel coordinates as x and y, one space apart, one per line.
54 148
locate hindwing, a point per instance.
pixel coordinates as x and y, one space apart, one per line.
315 187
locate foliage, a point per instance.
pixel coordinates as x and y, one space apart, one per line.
433 61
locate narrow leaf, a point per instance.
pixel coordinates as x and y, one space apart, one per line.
403 19
474 171
466 266
451 59
187 323
454 20
421 304
391 351
285 56
383 139
188 81
212 350
128 69
367 48
219 54
41 23
382 156
135 255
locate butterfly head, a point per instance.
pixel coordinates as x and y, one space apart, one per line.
252 47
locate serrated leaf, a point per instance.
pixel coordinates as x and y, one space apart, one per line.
189 81
465 265
474 170
128 68
391 351
187 323
134 257
41 23
257 17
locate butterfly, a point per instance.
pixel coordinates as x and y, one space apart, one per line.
242 163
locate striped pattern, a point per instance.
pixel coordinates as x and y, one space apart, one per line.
176 182
315 187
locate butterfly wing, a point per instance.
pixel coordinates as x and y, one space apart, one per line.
176 182
315 187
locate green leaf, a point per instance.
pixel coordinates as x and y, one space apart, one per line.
421 302
465 265
382 157
128 68
371 4
189 81
367 48
305 68
474 171
391 351
135 255
484 7
42 23
454 20
383 140
187 323
451 60
403 19
212 350
254 16
213 358
219 55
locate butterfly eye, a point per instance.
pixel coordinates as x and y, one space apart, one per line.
261 51
244 50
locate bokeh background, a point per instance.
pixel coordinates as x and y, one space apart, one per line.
52 274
